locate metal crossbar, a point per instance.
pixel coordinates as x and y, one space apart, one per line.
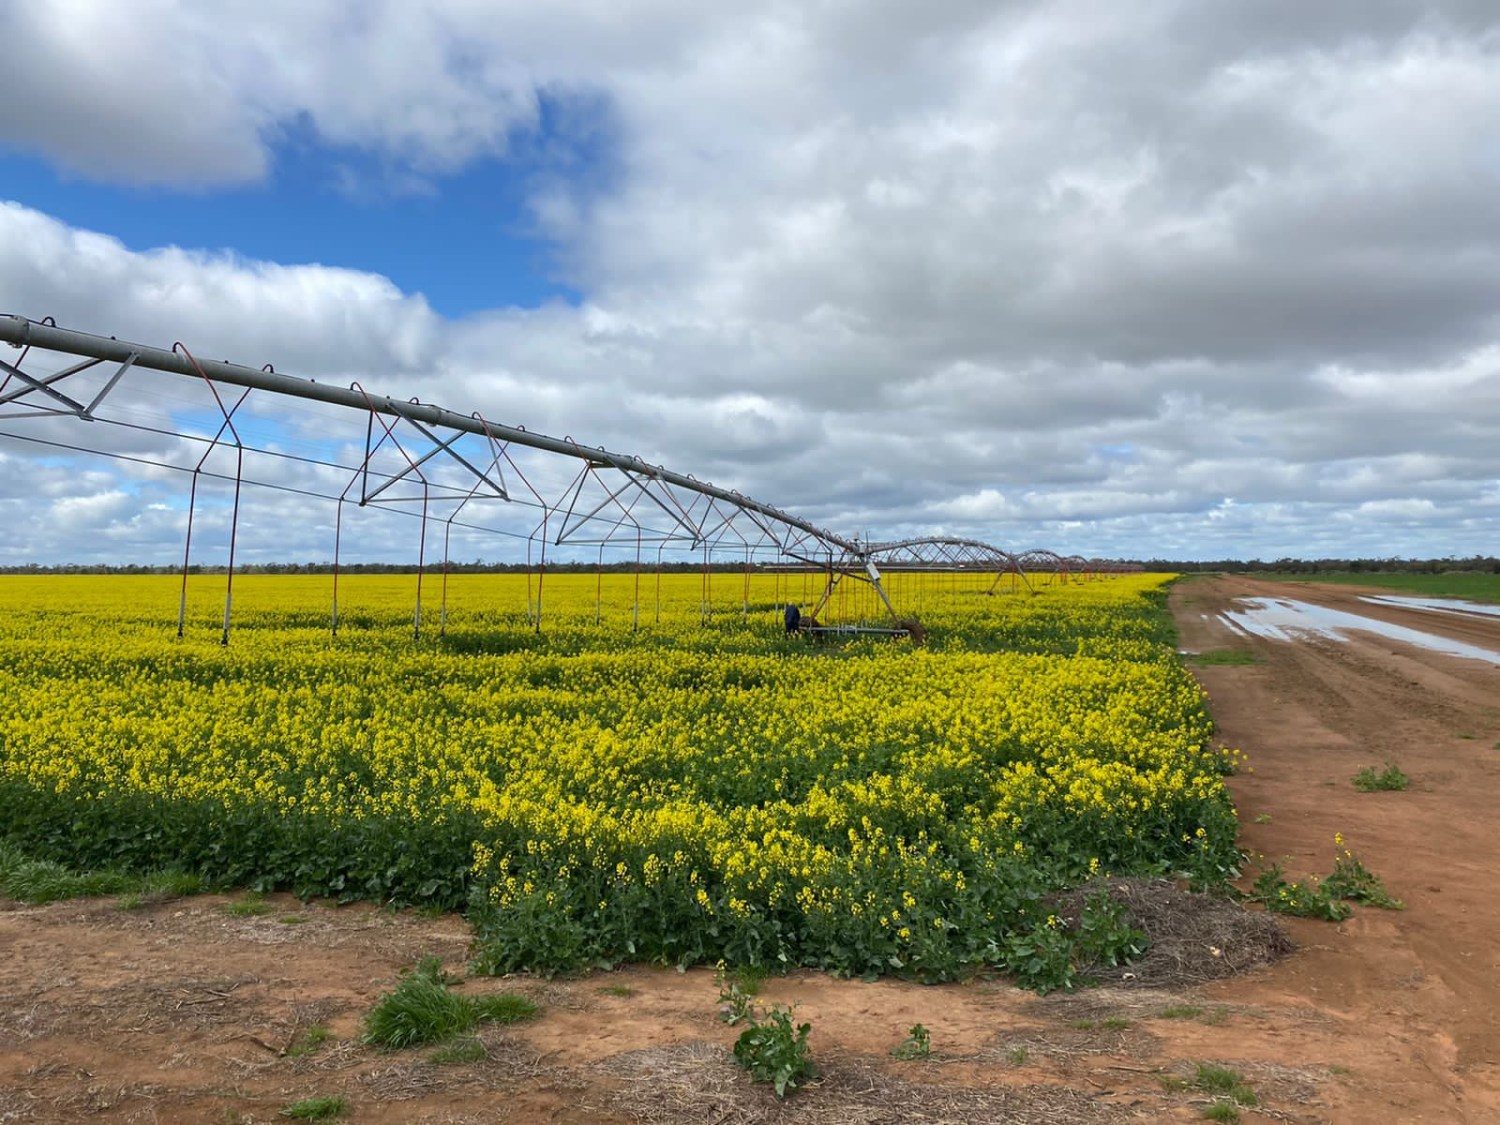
613 499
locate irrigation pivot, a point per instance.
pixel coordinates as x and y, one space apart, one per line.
423 460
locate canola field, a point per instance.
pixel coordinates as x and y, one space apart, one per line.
676 791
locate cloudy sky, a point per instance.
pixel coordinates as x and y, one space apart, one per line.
1183 279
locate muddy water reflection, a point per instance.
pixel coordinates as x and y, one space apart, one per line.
1436 605
1281 619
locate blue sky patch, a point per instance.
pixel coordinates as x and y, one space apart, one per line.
466 240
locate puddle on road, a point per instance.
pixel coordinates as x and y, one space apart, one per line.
1279 619
1435 605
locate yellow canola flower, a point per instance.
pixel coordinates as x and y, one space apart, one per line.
724 767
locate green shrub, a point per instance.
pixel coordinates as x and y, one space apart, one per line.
1041 959
774 1051
1349 881
1301 899
1352 880
1105 935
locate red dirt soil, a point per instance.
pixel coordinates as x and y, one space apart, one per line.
182 1012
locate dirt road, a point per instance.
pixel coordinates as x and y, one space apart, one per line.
185 1011
1422 987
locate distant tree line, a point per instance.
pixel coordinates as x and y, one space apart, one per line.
1484 563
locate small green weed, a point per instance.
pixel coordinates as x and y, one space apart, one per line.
736 1002
316 1109
1222 1110
1180 1012
775 1051
251 905
1263 818
291 919
617 990
1110 1023
1230 656
1018 1055
503 1007
749 978
459 1053
422 1009
1389 779
916 1045
308 1040
1300 899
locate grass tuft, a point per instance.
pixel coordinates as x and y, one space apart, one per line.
1180 1012
308 1040
248 907
503 1007
1224 1082
316 1109
459 1053
40 881
422 1009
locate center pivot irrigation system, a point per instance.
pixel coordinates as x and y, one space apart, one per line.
442 467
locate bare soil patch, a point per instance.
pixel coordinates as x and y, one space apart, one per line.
699 1081
181 1012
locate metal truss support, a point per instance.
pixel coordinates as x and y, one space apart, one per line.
612 501
234 520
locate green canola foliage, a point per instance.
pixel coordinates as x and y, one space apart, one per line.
597 792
